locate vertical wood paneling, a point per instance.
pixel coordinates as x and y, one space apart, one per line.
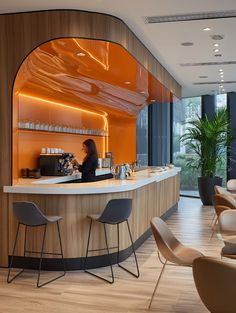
148 201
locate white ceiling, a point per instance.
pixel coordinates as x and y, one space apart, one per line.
164 39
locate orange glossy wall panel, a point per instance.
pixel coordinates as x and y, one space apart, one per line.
30 144
37 109
122 139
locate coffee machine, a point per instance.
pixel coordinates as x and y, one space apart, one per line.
55 164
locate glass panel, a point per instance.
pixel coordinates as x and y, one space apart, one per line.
142 137
183 111
221 102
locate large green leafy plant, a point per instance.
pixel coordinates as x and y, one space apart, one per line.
208 139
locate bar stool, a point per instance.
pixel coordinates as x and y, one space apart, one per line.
29 215
116 212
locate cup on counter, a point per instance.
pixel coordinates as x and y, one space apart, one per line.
24 172
99 162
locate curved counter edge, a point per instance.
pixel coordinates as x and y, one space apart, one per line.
139 179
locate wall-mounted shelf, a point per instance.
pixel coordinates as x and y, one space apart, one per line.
28 130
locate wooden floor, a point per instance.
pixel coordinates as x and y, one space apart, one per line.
80 292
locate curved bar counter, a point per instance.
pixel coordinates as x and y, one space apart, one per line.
154 194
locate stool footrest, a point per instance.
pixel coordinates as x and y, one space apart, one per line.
102 249
39 252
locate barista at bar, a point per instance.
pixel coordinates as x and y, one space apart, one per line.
90 162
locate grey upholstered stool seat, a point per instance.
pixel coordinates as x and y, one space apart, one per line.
29 215
116 212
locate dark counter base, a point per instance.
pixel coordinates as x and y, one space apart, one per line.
55 264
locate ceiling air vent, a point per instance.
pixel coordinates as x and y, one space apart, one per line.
214 83
208 63
217 37
190 17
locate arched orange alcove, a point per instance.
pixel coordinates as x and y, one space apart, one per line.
69 89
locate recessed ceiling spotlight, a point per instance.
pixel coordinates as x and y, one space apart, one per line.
220 70
187 44
216 50
81 54
222 80
127 83
206 29
221 86
223 89
215 44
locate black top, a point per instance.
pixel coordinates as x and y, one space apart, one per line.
88 168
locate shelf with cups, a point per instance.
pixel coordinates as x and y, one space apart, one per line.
62 130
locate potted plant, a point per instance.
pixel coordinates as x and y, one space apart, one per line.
208 140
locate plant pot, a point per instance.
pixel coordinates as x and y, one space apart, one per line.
206 188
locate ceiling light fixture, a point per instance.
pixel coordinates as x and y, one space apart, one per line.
127 83
220 70
81 54
207 29
216 50
222 80
215 44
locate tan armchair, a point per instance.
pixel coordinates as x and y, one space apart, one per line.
223 191
170 248
221 203
215 283
227 226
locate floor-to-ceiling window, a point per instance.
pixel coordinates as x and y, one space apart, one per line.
184 111
221 102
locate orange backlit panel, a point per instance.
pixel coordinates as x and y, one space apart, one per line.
80 83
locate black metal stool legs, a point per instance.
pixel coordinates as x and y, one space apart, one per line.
108 254
118 253
41 258
9 280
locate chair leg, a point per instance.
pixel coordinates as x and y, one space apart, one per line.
213 219
136 261
9 280
87 250
62 255
108 254
158 281
41 258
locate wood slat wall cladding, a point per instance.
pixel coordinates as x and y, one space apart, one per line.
21 33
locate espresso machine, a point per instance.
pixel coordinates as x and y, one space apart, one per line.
55 164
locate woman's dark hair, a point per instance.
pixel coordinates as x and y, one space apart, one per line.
92 149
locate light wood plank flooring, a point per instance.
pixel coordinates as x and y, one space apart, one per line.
80 292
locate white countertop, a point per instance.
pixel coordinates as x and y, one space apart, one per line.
49 185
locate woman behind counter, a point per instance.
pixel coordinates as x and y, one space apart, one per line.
90 162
